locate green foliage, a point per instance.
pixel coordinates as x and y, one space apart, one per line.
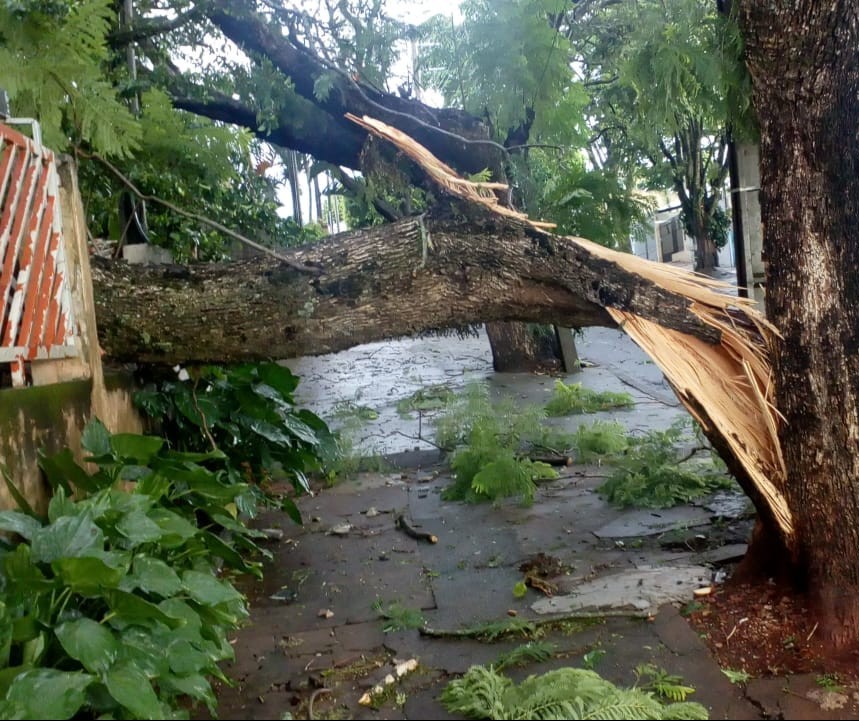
247 414
199 166
602 204
566 693
431 398
196 495
531 652
574 398
503 61
652 475
662 683
110 606
483 471
398 617
508 421
51 63
492 631
341 452
489 466
592 658
737 677
667 79
599 440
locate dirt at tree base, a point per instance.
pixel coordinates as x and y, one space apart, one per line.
769 631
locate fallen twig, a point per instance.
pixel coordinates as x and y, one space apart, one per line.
406 527
478 631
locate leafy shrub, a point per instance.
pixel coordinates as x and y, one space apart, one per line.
600 439
491 473
570 399
651 473
508 421
565 693
109 607
197 488
248 414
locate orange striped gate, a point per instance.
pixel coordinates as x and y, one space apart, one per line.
36 318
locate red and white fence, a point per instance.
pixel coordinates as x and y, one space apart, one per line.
36 317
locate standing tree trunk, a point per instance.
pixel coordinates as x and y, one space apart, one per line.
516 348
805 73
706 253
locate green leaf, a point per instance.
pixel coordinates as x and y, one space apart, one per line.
267 430
68 537
279 377
152 575
22 502
61 505
89 575
96 438
131 689
62 471
221 549
187 457
194 686
138 528
287 505
185 658
89 642
20 523
204 409
192 624
300 430
21 571
176 529
132 446
208 590
144 648
46 693
132 609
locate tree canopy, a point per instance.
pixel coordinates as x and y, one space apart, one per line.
555 99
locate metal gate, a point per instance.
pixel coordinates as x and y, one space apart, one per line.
36 317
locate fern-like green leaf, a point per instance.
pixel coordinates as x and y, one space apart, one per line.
566 693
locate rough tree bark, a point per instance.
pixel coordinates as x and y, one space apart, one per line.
805 72
369 285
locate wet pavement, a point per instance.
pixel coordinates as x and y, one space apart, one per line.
318 641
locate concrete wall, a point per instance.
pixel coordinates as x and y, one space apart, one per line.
65 394
50 418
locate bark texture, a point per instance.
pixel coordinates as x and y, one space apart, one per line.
415 275
805 72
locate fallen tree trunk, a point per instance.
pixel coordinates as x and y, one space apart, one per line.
475 262
415 275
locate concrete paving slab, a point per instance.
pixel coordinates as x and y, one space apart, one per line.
641 589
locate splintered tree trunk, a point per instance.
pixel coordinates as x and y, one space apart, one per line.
805 71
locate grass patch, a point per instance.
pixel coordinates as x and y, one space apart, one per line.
572 399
